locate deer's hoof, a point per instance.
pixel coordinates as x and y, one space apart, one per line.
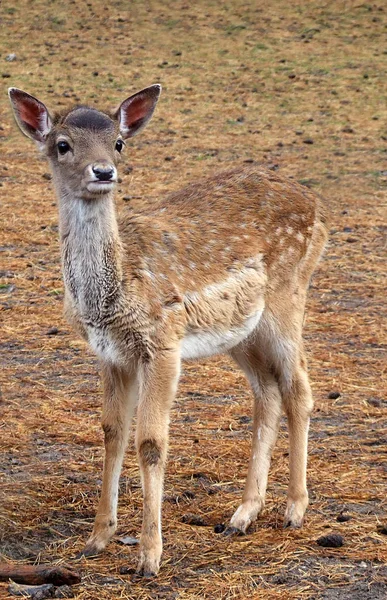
233 532
89 552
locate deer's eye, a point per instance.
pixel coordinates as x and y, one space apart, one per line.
119 145
63 147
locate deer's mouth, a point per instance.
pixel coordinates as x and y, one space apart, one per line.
100 187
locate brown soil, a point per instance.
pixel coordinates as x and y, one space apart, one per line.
300 87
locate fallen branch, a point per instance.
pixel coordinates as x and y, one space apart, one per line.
38 574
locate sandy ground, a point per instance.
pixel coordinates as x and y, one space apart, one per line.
299 87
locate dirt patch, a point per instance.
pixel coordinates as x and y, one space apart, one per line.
300 88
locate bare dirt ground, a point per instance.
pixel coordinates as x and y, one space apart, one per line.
300 87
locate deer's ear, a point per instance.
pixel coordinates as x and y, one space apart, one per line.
135 112
31 115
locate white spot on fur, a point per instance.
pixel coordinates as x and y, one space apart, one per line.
300 236
259 432
289 230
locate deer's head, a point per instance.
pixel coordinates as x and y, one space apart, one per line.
83 145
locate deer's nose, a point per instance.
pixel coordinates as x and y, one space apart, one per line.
103 173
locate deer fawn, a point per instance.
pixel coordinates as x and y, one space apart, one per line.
222 266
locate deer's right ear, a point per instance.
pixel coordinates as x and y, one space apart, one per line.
31 115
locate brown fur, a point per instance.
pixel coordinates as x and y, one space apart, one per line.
149 452
220 266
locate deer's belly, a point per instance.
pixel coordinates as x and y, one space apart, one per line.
209 342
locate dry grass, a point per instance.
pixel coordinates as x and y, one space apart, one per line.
242 81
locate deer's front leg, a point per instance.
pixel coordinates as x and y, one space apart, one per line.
158 382
120 399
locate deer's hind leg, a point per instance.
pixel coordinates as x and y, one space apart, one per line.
298 404
281 334
266 418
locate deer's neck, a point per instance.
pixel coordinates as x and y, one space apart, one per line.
91 254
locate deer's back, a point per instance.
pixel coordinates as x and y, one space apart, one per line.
196 236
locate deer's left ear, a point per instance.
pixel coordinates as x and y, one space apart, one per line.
135 112
31 115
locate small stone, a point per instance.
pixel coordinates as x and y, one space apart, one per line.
128 541
351 240
308 141
244 419
382 529
47 176
342 518
334 395
347 129
6 75
219 528
191 519
95 73
10 57
169 158
377 402
35 592
333 540
53 331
